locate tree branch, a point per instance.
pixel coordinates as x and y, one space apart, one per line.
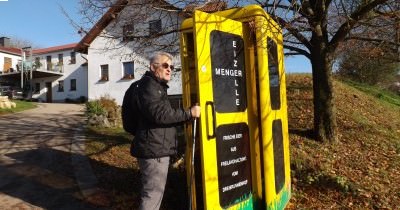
371 40
292 53
291 8
298 50
356 16
294 32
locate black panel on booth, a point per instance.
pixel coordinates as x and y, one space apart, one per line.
279 158
228 72
234 164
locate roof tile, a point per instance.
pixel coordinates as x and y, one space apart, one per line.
11 50
54 49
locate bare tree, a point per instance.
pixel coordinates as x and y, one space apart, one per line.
19 42
312 28
370 53
315 29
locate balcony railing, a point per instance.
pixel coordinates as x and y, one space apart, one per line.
52 67
34 66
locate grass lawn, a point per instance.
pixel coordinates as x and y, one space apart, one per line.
21 106
361 171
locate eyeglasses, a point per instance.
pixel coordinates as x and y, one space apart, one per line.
166 65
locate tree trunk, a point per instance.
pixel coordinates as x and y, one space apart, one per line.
325 126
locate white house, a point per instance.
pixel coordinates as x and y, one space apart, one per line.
113 64
112 55
9 56
55 74
60 74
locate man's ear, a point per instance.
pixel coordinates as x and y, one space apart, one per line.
152 67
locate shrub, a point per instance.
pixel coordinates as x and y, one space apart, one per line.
110 106
68 100
82 99
94 108
107 107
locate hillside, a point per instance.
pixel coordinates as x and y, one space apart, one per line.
361 171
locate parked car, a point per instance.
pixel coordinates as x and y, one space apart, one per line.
11 92
4 90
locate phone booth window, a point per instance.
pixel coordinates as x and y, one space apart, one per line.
274 80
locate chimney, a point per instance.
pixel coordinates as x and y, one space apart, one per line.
4 41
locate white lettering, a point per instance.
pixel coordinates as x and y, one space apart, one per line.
235 63
236 92
228 72
234 43
233 186
232 136
235 173
229 137
233 149
237 102
236 84
233 161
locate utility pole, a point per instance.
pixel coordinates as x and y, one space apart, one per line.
28 66
22 68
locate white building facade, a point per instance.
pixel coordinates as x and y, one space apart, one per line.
9 56
61 75
114 63
55 74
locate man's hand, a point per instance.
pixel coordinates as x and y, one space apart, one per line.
195 111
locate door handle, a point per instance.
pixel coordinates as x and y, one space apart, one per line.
213 129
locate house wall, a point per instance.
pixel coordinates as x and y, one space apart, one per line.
70 71
103 51
14 60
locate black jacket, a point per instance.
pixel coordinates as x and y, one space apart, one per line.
156 133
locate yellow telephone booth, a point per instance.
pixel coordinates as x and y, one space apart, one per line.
232 65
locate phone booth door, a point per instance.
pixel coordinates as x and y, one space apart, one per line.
224 130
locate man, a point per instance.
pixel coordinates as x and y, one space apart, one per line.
154 141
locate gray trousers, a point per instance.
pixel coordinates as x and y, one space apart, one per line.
153 174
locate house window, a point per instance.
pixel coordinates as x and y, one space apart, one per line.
73 84
154 27
61 86
127 32
128 70
60 59
48 62
104 72
37 87
73 58
37 63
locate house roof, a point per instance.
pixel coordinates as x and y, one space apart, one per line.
212 6
100 25
54 49
110 15
10 50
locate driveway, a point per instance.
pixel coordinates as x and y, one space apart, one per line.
42 164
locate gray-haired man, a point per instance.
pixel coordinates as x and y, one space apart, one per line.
154 141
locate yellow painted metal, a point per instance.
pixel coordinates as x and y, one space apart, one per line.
258 115
189 87
204 25
267 28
